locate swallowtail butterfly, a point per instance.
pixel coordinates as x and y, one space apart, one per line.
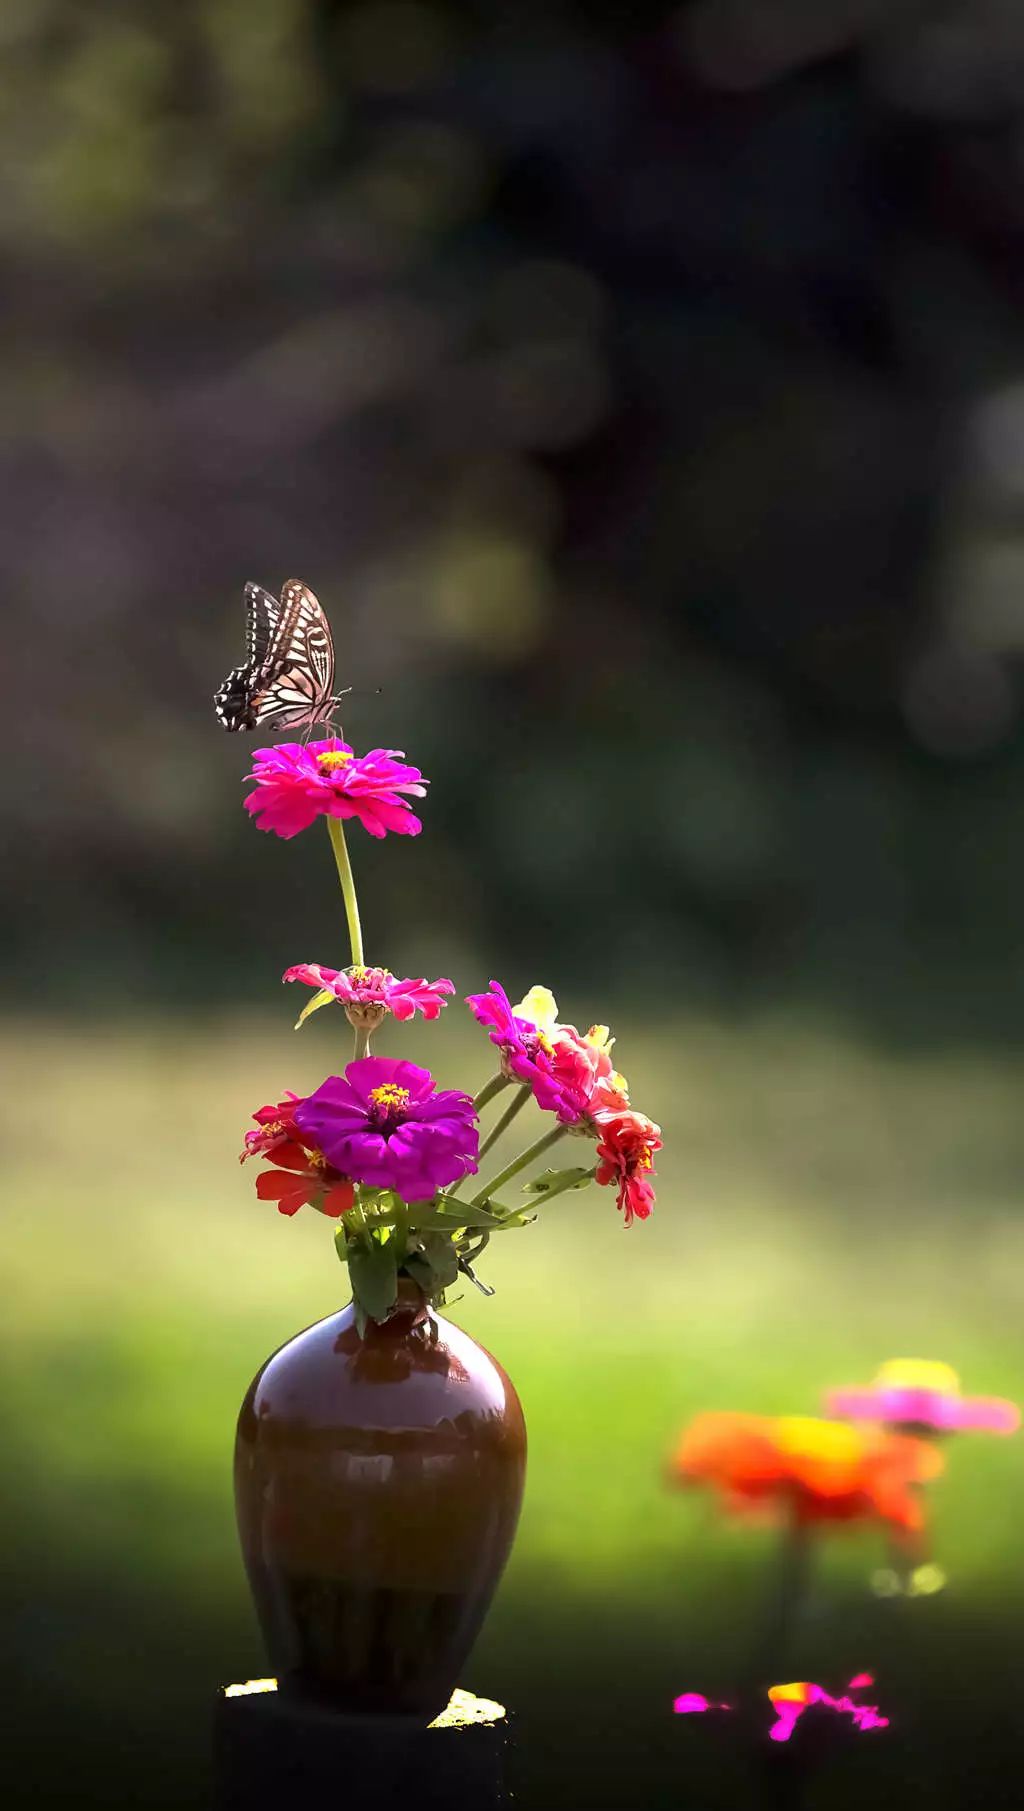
287 677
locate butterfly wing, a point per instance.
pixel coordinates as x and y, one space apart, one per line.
288 677
234 702
262 615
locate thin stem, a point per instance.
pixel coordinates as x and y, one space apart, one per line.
535 1150
489 1090
336 832
501 1125
787 1594
362 1041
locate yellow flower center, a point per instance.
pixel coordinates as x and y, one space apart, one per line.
919 1374
316 1160
333 758
389 1098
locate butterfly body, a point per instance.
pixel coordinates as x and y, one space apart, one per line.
287 678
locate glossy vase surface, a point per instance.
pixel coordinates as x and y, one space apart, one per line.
378 1481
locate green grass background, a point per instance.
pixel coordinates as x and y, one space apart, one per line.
823 1205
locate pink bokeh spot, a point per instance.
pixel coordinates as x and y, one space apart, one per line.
790 1701
694 1703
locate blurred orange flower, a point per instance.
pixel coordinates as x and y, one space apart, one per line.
808 1470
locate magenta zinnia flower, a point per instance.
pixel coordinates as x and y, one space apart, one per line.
360 987
384 1124
298 782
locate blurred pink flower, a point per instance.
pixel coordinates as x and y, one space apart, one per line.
298 782
694 1703
921 1393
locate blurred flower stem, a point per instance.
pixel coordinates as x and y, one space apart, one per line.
533 1151
501 1125
786 1597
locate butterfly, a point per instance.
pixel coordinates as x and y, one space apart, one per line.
287 677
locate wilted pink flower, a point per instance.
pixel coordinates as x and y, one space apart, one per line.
298 782
627 1142
361 990
921 1393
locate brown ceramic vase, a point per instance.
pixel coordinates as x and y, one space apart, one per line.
378 1481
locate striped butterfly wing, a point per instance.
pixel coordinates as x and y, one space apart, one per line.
296 682
288 674
234 700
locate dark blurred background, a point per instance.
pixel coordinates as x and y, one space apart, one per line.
642 392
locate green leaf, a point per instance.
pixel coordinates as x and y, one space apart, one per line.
323 998
560 1179
374 1275
434 1264
446 1214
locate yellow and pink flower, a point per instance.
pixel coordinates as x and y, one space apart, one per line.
562 1068
918 1394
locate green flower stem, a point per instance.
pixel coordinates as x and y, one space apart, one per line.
501 1125
535 1150
336 832
362 1041
489 1090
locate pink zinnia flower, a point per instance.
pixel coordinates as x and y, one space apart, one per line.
308 1178
562 1068
625 1155
367 993
384 1124
297 782
921 1393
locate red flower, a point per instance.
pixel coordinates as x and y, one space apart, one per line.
308 1179
625 1155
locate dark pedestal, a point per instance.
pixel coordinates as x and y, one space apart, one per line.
273 1752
